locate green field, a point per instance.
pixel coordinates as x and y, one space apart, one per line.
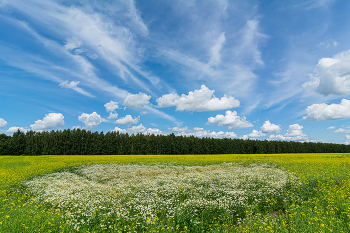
175 193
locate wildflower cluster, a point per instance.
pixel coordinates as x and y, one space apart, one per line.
160 196
318 202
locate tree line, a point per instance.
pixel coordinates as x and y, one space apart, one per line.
83 142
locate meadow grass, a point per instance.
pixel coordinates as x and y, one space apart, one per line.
318 202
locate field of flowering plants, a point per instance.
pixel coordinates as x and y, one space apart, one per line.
175 193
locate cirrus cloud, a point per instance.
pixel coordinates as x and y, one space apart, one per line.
74 85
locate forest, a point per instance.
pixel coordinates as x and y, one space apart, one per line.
83 142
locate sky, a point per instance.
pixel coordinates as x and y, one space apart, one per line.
267 70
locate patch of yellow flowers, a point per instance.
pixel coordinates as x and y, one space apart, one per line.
327 211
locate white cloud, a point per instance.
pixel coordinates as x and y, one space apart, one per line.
250 41
179 130
100 33
342 130
50 121
347 140
72 43
196 131
331 127
111 106
136 101
270 128
90 120
113 115
200 132
70 85
92 56
324 112
76 127
331 76
199 100
294 133
254 134
231 119
3 3
13 129
117 129
216 49
140 129
162 115
3 123
135 17
137 129
74 85
329 43
128 120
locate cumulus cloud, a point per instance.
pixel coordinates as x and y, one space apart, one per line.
185 131
111 106
343 130
347 140
113 115
128 120
270 128
331 76
140 129
74 85
324 112
254 134
3 123
50 121
137 129
90 120
200 132
136 101
117 129
13 129
294 133
198 100
331 127
231 119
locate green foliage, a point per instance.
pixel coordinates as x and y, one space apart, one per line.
82 142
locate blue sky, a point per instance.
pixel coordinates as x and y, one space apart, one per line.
277 70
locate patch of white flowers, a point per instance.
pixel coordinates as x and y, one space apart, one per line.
140 193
